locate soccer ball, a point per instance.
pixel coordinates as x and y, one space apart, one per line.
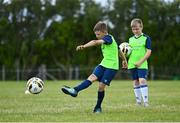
125 48
35 85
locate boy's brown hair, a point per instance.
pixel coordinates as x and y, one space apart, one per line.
100 26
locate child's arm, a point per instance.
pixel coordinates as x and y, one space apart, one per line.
124 60
146 56
90 44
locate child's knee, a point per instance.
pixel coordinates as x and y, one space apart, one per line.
101 86
92 78
142 81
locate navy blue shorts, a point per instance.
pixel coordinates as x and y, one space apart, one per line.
104 75
138 73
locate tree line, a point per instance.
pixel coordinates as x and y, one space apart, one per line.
34 32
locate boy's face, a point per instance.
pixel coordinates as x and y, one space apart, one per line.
99 34
136 28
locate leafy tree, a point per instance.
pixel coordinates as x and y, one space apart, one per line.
34 32
161 23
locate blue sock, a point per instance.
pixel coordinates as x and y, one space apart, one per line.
83 85
100 99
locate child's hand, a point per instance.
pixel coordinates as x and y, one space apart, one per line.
137 64
124 64
80 47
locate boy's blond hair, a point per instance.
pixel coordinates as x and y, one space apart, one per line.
100 26
137 20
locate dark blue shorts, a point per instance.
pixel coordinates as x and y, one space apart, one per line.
138 73
104 75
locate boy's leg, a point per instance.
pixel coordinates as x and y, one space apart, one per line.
137 92
142 73
97 74
100 97
137 89
108 75
85 84
144 91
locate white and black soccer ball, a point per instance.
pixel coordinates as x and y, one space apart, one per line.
125 48
35 85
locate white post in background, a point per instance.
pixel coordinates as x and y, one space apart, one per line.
70 73
42 72
152 73
77 73
17 71
3 73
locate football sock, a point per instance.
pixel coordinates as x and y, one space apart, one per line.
144 92
85 84
100 98
137 92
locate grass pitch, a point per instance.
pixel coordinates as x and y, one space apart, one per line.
118 106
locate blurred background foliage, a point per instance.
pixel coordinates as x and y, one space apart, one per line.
34 32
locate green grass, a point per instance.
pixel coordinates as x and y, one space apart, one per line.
118 106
